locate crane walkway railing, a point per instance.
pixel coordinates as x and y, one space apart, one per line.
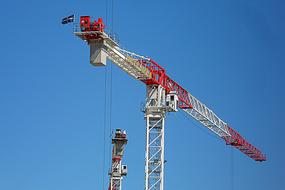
126 62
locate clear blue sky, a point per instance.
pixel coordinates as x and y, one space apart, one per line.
230 54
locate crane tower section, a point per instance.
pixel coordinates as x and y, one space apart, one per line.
118 170
154 154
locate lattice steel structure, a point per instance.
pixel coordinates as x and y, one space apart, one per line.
118 170
159 86
155 110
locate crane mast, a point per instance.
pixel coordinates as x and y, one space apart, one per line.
163 95
118 170
154 154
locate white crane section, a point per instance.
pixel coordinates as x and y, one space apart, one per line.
207 117
108 48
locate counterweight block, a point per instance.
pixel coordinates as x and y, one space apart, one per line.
98 55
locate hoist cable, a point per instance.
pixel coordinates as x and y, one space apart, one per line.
108 97
112 16
111 87
232 169
104 130
110 110
106 14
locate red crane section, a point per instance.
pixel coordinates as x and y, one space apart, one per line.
244 146
158 76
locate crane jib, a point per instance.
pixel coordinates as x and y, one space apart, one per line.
148 71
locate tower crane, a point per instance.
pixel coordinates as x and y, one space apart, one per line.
163 95
118 170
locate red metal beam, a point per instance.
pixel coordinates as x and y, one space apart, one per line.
158 76
237 141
